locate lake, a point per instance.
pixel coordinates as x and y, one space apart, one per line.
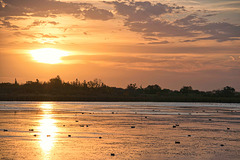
119 130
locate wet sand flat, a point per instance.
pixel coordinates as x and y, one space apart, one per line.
54 130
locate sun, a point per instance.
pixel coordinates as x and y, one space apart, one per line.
48 55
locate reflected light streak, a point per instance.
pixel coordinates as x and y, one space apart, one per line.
46 106
47 129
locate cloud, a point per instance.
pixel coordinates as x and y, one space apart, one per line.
190 20
24 34
51 8
95 13
7 24
150 39
161 42
219 31
148 19
48 36
53 23
142 11
39 23
172 63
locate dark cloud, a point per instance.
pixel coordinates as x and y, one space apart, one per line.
150 39
218 31
210 15
146 18
142 11
161 42
7 24
39 23
46 8
159 29
191 20
53 23
95 13
221 31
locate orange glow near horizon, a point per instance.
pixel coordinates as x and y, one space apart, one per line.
48 55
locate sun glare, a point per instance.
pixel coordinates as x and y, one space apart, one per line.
48 55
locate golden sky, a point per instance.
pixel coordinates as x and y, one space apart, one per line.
165 42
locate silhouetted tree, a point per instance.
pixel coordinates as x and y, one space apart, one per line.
84 84
152 89
186 89
55 82
132 86
16 83
228 91
56 89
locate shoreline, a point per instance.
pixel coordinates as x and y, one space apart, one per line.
123 99
99 100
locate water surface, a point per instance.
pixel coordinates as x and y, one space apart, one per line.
129 130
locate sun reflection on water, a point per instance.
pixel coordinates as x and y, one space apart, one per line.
47 129
46 106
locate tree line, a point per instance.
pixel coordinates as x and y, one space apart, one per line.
57 90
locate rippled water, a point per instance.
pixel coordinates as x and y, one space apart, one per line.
119 130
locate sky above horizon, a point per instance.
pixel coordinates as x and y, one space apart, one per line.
166 42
